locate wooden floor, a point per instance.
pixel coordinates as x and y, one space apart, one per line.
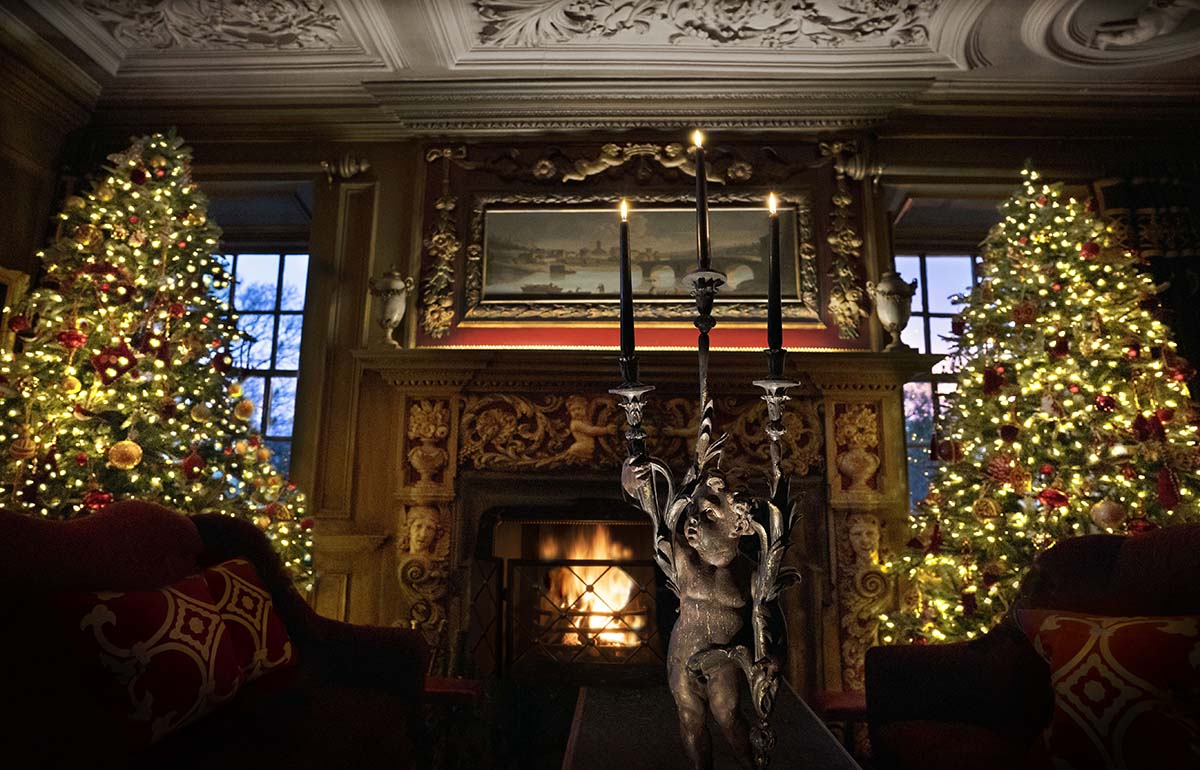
622 728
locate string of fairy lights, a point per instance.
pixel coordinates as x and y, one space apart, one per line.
120 385
1071 415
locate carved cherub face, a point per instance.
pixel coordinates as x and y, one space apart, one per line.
716 520
577 408
863 532
422 530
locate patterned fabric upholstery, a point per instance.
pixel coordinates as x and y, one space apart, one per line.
259 637
1126 689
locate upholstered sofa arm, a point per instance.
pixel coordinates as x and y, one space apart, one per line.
997 681
393 660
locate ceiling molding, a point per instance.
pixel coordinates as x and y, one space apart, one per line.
1066 31
41 78
131 41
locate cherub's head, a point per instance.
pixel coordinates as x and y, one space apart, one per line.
577 407
422 528
715 520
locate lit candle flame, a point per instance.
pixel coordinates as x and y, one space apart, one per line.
772 204
624 210
698 138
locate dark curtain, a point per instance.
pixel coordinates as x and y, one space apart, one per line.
1159 220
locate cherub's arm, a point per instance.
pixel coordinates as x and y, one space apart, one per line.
588 429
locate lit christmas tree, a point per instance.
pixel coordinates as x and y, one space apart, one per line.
120 385
1071 416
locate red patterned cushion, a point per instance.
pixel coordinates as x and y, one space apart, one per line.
164 658
260 639
1126 689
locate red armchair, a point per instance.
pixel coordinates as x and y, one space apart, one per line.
352 700
982 704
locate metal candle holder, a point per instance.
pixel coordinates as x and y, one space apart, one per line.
675 515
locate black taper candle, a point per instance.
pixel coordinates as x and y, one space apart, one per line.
702 254
627 342
774 298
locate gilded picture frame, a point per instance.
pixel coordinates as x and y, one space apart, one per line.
552 258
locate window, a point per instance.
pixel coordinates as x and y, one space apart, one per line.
268 296
939 279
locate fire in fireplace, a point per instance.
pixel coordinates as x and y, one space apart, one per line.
578 592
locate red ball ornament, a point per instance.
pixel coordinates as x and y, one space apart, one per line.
177 310
96 499
1042 200
1022 240
993 380
1073 387
182 244
949 450
72 339
158 172
1009 432
306 523
1128 472
1140 525
1056 286
138 176
1164 414
133 220
1060 347
958 326
1134 351
192 465
1105 403
1053 498
18 324
1046 469
81 459
1089 250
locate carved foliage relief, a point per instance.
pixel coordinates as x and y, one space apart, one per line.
864 590
511 432
856 437
754 23
428 430
217 24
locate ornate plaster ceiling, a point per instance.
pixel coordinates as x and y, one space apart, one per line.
501 65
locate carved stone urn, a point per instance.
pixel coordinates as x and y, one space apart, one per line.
893 305
858 465
392 290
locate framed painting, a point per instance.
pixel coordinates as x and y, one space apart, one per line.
555 258
13 285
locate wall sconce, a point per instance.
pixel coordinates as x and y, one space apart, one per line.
391 289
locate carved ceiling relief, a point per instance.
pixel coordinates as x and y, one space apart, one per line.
217 24
754 23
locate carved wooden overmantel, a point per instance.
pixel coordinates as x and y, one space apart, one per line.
440 429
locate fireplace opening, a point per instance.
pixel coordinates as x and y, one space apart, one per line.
580 595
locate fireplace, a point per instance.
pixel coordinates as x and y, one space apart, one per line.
578 592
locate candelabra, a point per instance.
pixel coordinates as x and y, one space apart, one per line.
698 524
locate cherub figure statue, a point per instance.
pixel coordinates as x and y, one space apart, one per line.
696 542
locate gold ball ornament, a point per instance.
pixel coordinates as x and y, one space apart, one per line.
158 161
70 385
244 409
263 454
235 390
241 446
195 219
105 193
1108 514
262 522
986 508
200 413
125 455
88 236
74 202
23 448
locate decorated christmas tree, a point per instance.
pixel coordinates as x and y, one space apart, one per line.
1071 415
120 385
